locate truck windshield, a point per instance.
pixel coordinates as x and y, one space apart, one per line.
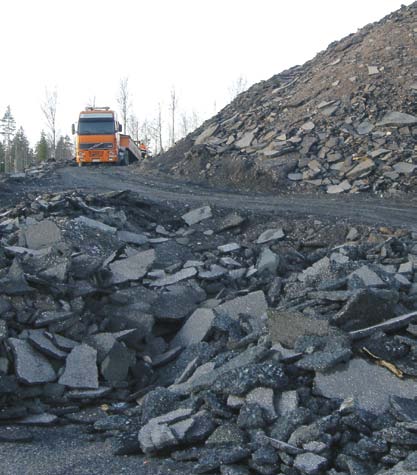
96 126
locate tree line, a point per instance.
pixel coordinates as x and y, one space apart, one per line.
16 154
159 132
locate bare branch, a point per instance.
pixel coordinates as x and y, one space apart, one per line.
48 108
124 102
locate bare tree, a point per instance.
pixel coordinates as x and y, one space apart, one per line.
173 108
154 130
184 124
158 122
124 101
49 107
239 85
146 132
195 121
133 128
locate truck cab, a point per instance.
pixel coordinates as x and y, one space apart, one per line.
98 136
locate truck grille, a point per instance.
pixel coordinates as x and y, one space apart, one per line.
96 146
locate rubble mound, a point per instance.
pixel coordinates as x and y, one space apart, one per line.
210 341
344 122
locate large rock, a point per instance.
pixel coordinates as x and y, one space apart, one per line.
370 385
81 368
196 215
270 235
42 234
132 268
285 327
309 463
31 367
45 345
361 168
253 304
195 329
132 238
115 365
399 119
367 277
268 261
171 253
365 308
177 302
94 224
183 274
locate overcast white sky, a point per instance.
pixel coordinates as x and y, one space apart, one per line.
83 48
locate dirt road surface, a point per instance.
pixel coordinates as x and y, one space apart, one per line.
356 208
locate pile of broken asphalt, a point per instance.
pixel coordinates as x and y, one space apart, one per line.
219 343
343 122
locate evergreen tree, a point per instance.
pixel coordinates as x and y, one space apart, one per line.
20 153
7 130
8 126
41 148
64 148
2 157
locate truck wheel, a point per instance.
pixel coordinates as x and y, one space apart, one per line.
125 160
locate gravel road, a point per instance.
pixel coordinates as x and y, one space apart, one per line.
356 208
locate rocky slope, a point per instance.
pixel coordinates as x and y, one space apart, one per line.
345 121
218 342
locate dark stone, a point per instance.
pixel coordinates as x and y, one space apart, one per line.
170 372
241 380
399 436
332 351
367 307
404 409
352 465
386 348
158 402
286 424
266 455
8 384
309 463
115 365
169 253
177 301
48 317
226 434
31 366
203 425
285 327
112 422
81 368
214 458
41 342
131 317
252 416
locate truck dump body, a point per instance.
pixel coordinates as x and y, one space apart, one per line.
127 142
99 139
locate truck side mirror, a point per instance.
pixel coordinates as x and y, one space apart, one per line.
120 127
73 129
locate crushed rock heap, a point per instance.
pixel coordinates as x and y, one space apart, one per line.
344 122
217 342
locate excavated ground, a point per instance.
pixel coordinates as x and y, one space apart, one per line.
346 263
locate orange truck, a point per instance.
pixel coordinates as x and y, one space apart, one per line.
99 139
